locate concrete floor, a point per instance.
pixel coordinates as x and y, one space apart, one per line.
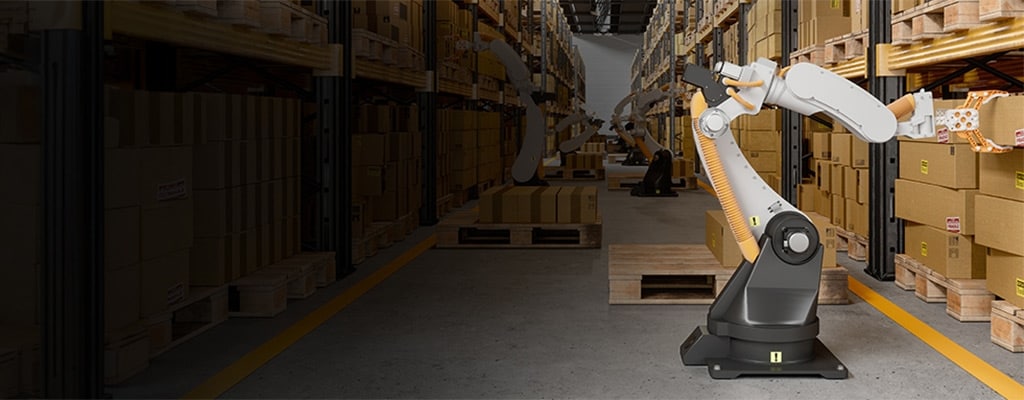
536 323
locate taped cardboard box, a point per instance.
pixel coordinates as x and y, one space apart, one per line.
838 179
1005 276
821 145
166 228
839 211
756 140
805 200
823 174
999 224
827 237
528 210
1002 121
950 165
860 153
842 148
549 204
568 204
948 209
763 161
1002 175
949 254
720 240
215 261
166 174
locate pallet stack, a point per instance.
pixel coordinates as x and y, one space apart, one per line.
21 156
489 167
388 32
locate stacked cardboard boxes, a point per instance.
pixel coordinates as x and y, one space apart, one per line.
759 137
386 161
539 205
465 155
444 157
719 238
848 180
584 160
936 195
764 27
821 20
489 168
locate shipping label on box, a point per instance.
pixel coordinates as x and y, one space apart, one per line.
949 209
166 173
998 224
949 254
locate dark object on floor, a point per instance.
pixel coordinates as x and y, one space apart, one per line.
657 181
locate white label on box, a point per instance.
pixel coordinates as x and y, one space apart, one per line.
1018 138
171 190
942 135
953 224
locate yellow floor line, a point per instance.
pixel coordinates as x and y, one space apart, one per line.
983 371
239 370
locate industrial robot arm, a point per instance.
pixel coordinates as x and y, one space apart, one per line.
764 321
641 104
574 143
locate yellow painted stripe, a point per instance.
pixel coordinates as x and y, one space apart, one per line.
983 371
239 370
707 188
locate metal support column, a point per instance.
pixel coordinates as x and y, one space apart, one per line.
792 139
717 45
698 46
428 116
671 33
742 46
886 239
72 274
334 143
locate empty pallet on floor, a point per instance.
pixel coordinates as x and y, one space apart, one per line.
967 300
686 274
463 230
204 308
265 293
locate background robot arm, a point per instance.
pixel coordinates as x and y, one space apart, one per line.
804 88
574 143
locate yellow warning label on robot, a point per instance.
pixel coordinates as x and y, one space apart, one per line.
924 167
755 221
1020 180
924 249
776 357
1020 287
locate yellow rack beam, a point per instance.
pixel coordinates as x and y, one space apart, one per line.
854 68
174 27
983 40
381 72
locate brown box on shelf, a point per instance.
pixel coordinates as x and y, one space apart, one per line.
823 203
549 204
838 216
121 177
821 145
588 205
1005 276
164 282
165 228
568 204
368 180
528 210
121 237
951 255
999 223
1002 121
1002 175
491 204
842 148
851 182
121 294
763 161
369 149
214 261
949 165
510 204
837 180
166 174
216 165
757 140
861 219
720 240
823 174
864 182
860 153
827 237
213 212
805 199
949 209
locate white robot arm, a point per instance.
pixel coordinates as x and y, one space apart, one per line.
574 143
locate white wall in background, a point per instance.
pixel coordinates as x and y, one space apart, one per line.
608 60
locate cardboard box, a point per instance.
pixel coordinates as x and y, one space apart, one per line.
510 204
821 145
1002 175
838 211
121 237
121 294
949 254
165 228
213 212
823 203
214 261
20 296
949 209
999 223
827 237
823 174
368 180
568 204
369 150
838 180
863 184
528 209
861 220
720 240
842 148
806 195
851 182
861 153
760 140
549 204
1002 121
588 205
164 282
763 161
217 165
121 177
949 165
1005 276
166 174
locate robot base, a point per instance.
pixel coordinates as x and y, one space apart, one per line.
703 348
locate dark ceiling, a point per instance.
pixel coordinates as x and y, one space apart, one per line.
608 16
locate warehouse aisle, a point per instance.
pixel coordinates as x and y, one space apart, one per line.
518 323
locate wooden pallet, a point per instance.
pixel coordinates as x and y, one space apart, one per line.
323 265
284 18
373 47
845 48
1008 326
299 274
445 204
627 180
204 308
998 10
855 246
125 354
260 295
463 230
576 174
244 13
934 19
967 300
813 54
616 158
686 274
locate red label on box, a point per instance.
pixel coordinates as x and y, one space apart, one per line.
942 135
1018 138
171 190
953 224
